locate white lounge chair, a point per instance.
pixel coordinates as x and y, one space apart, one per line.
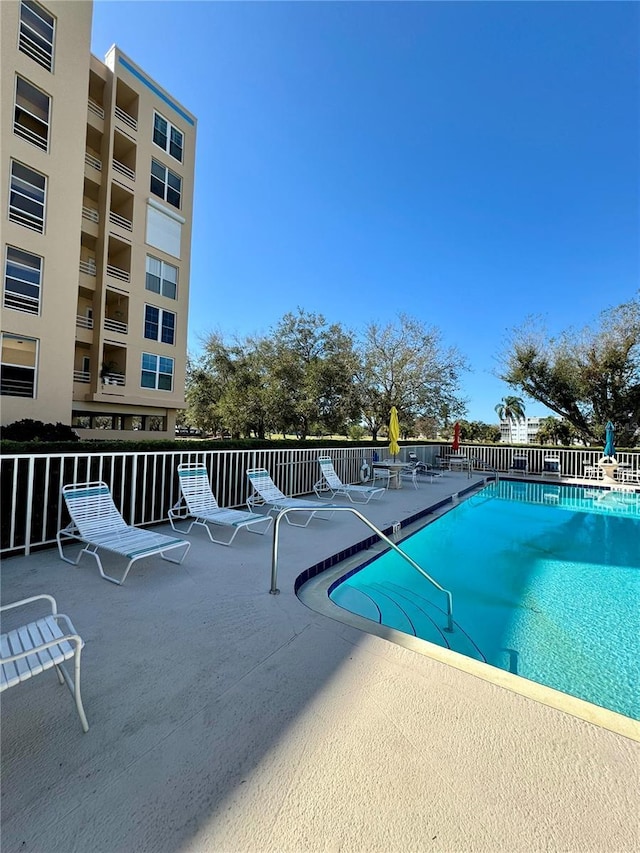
266 493
551 466
96 521
198 502
519 465
332 484
422 468
38 646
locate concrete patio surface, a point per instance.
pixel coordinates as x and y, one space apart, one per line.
223 718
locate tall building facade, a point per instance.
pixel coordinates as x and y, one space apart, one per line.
96 209
524 431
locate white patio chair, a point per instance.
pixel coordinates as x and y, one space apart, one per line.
551 466
198 502
628 475
592 471
382 475
96 522
423 468
37 646
266 493
332 484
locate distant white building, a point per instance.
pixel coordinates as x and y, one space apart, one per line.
524 431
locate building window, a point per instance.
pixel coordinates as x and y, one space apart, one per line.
18 370
22 281
162 278
157 372
159 325
165 184
37 31
168 137
31 114
27 197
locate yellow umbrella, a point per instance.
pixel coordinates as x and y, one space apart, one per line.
394 432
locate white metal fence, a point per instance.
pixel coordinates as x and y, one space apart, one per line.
145 487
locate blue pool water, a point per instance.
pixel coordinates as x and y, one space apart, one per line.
545 582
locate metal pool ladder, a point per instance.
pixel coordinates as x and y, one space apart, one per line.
276 538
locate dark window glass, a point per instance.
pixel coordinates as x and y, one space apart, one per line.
168 327
151 322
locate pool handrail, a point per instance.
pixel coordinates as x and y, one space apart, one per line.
485 466
274 554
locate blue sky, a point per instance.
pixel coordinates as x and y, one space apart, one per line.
467 163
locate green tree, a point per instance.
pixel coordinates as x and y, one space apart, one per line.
511 409
311 369
587 377
479 432
405 365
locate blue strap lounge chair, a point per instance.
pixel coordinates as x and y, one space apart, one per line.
519 465
96 522
266 493
329 483
551 466
198 502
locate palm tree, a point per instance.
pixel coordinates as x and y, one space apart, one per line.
510 409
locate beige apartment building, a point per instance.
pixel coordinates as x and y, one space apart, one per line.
96 211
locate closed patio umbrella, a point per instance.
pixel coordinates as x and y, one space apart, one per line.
456 438
394 432
609 449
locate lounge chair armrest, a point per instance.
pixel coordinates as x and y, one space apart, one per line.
76 639
50 598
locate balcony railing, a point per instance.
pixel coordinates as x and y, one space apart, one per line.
20 302
88 267
123 170
31 136
84 322
115 326
92 162
120 221
91 214
125 118
83 376
41 55
116 272
95 108
113 379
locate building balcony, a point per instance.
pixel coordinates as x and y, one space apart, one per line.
95 108
128 120
123 170
120 221
82 376
88 267
118 273
115 326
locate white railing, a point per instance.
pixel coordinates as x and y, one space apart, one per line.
95 108
93 162
31 48
113 379
120 221
123 170
20 302
115 326
31 136
82 376
88 267
116 272
25 218
90 213
84 322
126 118
145 487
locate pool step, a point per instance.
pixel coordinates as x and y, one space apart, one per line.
397 607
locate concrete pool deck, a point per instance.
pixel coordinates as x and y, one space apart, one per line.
226 719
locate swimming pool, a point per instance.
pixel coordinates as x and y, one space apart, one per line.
545 582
